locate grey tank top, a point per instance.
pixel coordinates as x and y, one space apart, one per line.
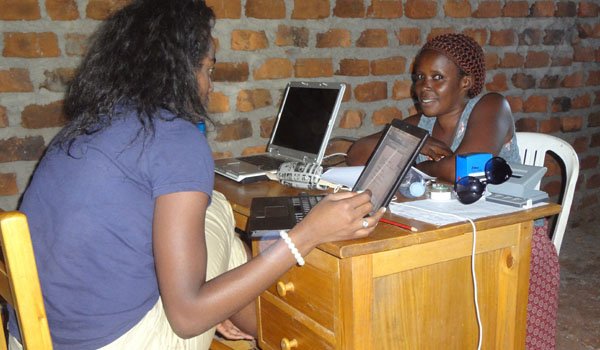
509 151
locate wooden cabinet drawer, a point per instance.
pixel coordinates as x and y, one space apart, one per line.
309 289
281 330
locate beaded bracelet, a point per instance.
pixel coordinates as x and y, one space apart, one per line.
292 247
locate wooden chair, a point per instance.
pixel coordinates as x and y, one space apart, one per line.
19 283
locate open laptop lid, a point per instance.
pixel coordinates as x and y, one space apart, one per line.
395 153
305 120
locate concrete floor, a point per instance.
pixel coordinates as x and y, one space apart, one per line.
578 325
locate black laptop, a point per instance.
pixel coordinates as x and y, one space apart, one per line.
396 151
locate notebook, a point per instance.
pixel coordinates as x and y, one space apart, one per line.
302 129
391 160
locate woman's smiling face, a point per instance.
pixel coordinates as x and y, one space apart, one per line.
439 85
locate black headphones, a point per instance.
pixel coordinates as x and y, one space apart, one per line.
469 188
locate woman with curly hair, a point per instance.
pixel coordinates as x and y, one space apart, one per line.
449 74
134 248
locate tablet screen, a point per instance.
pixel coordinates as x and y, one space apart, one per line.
396 151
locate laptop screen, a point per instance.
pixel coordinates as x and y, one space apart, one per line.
305 117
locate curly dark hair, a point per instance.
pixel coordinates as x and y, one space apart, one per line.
465 53
145 56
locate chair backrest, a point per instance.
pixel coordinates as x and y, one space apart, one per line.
532 149
19 282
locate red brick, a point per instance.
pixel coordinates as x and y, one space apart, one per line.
516 103
401 89
593 78
581 145
31 45
526 124
561 104
218 103
21 148
237 130
15 80
353 67
388 66
536 103
372 91
249 100
220 155
552 188
593 182
76 44
248 151
57 79
226 8
439 31
16 10
595 141
588 9
498 83
3 117
512 60
352 119
313 67
101 9
582 101
550 82
310 9
550 126
349 9
347 93
457 8
385 9
491 61
266 9
8 184
386 115
504 37
573 80
516 9
62 10
523 81
231 71
43 116
561 61
565 9
554 37
570 124
594 119
597 99
536 59
420 9
291 36
589 162
373 38
531 36
266 127
584 54
334 38
248 40
479 35
274 68
542 9
409 36
488 9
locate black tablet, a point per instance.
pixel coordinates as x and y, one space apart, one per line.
396 151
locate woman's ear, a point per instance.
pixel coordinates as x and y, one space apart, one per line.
466 82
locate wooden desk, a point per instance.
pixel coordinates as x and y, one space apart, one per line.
399 290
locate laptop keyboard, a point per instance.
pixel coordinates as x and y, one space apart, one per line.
263 160
303 204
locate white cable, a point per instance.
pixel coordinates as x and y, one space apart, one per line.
479 325
335 154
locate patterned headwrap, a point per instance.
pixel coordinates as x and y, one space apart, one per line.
465 53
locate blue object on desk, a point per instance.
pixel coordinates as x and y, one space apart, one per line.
471 164
202 127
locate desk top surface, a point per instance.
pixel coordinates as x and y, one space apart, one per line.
385 236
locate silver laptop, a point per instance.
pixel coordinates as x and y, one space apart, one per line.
304 123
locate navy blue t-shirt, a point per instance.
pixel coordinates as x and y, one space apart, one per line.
90 216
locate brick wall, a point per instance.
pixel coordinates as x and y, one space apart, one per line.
542 55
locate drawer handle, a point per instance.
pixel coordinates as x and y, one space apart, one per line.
284 288
287 344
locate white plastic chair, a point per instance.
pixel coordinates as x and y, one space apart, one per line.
532 149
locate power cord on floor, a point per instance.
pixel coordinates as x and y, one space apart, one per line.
473 274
